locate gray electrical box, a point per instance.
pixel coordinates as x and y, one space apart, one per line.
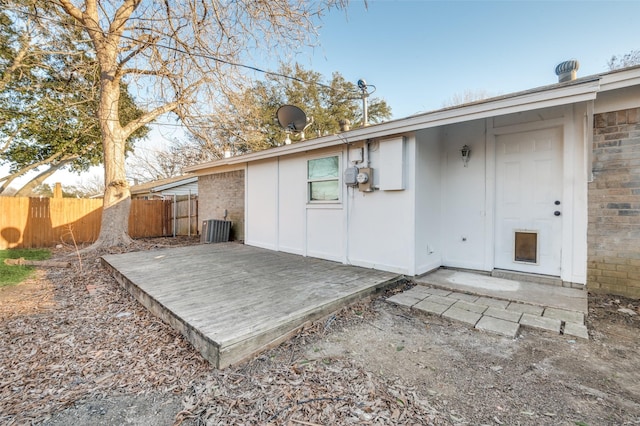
351 176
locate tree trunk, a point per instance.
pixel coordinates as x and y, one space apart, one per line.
114 227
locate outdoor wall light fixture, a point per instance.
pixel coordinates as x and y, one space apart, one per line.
466 153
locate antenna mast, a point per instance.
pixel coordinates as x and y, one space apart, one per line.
362 85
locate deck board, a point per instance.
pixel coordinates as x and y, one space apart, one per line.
231 300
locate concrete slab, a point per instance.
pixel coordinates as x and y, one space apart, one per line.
406 298
496 303
570 299
526 309
498 326
473 307
513 316
462 315
441 300
463 296
563 315
577 330
541 323
430 307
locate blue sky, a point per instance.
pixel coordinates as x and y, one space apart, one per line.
420 53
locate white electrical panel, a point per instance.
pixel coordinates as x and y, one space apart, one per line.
355 155
392 164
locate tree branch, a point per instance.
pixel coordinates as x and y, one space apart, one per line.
147 118
28 188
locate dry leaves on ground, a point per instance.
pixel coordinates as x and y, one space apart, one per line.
74 338
74 334
62 343
284 387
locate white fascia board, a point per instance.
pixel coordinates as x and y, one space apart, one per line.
308 145
178 191
176 184
619 80
527 102
572 93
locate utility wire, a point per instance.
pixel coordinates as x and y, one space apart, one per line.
177 50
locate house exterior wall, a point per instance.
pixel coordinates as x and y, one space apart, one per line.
428 181
262 204
464 192
365 229
443 213
222 191
292 215
381 223
614 204
464 228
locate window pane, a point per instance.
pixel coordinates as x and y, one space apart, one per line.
323 168
324 191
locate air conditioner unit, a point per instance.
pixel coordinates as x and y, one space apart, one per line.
215 231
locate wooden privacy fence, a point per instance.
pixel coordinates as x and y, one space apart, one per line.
184 215
44 222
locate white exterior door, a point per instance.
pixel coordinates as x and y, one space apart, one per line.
529 201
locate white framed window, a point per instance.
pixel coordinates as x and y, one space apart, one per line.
323 180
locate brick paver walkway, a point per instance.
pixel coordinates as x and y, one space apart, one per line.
493 315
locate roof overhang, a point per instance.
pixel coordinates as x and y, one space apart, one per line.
581 90
162 185
172 185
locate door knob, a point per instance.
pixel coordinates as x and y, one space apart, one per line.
557 213
557 203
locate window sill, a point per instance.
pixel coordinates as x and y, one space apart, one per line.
332 205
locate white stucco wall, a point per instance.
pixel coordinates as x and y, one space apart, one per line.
463 192
456 227
262 204
381 223
292 188
429 246
444 213
366 229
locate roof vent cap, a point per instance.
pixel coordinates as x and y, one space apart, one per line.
566 71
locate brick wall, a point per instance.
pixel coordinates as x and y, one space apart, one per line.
219 192
614 205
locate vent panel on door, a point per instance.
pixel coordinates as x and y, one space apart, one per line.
526 249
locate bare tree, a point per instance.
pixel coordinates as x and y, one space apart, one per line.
182 57
91 186
466 97
149 165
627 60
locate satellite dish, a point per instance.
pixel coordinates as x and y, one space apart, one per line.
292 118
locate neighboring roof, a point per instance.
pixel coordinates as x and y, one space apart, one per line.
164 185
579 90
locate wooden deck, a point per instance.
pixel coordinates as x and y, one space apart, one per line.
231 300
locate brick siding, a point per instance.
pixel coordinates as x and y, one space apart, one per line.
614 205
222 191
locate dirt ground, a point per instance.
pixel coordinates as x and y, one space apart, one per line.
77 349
